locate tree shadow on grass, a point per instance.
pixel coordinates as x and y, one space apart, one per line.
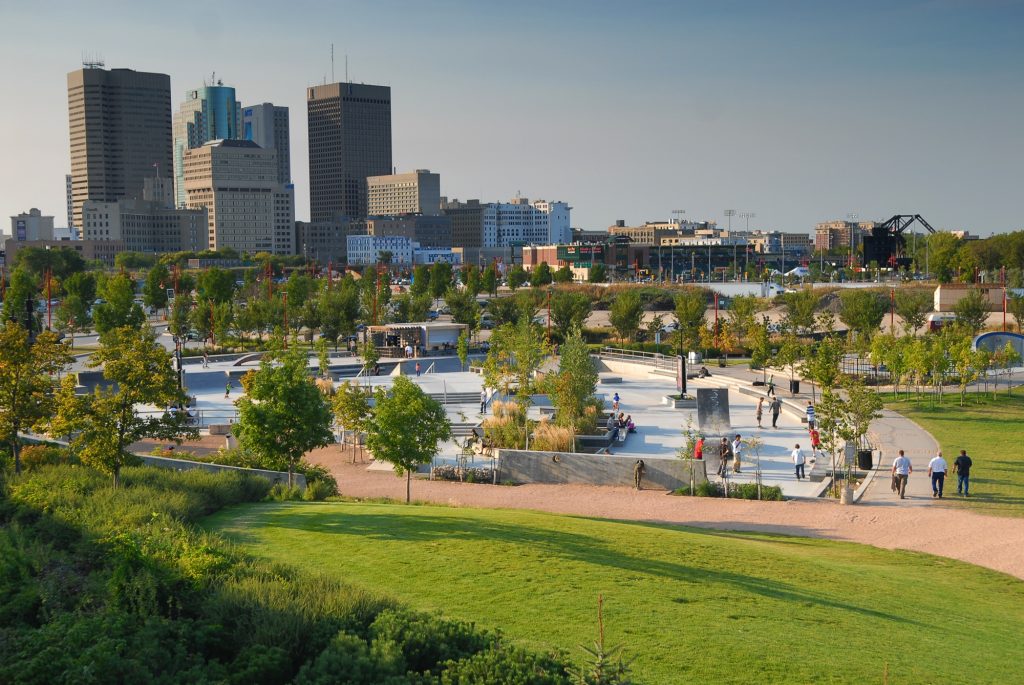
558 545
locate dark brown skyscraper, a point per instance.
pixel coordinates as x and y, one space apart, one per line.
120 124
349 140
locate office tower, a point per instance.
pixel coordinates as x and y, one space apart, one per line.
418 192
120 125
267 126
520 222
208 113
467 221
428 231
326 242
349 141
144 225
70 204
31 225
236 180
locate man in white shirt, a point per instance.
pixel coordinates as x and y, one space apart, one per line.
798 462
737 447
901 470
937 470
483 400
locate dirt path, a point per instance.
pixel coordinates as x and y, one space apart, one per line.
995 543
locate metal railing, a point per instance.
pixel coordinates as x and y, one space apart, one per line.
653 359
201 418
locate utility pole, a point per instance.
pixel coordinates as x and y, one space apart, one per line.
746 238
730 213
852 218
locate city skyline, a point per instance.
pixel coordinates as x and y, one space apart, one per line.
799 113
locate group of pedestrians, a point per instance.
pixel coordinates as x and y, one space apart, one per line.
729 453
937 469
774 408
797 455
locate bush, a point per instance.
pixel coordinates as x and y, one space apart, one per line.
709 488
34 456
470 474
103 585
548 437
314 473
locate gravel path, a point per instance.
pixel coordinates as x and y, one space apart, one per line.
995 543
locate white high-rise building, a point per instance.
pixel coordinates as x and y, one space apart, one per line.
520 222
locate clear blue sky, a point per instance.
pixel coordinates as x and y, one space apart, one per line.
798 111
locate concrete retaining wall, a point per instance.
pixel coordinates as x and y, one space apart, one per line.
521 466
186 465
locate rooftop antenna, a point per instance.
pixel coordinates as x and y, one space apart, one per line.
332 62
92 61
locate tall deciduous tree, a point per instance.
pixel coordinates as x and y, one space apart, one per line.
742 312
282 414
800 307
489 280
691 311
598 274
440 279
420 280
119 308
912 306
463 307
217 285
517 277
574 385
26 381
972 311
154 291
406 428
541 275
862 311
104 425
1015 305
569 311
20 299
626 313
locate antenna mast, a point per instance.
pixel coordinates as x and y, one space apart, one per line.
332 62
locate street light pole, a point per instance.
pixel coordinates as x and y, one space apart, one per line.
730 213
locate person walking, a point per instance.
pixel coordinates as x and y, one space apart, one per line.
776 410
815 444
798 462
771 386
962 468
698 449
759 411
901 470
725 456
638 472
810 415
737 447
615 402
937 472
227 390
483 400
206 360
417 369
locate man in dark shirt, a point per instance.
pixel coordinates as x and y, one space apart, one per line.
962 469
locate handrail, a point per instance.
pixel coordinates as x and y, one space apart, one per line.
430 369
655 359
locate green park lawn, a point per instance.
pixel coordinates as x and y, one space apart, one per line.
992 432
688 605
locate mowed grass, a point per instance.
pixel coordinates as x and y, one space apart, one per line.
992 432
688 605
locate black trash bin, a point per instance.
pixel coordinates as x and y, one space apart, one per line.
865 461
794 387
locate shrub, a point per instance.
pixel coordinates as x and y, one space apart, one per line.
282 492
470 474
737 491
319 490
507 427
34 456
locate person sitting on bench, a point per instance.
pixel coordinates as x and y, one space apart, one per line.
703 373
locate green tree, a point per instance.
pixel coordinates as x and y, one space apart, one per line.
223 319
942 249
569 311
462 349
154 290
489 280
472 280
463 307
282 414
503 310
800 307
541 275
218 285
598 274
106 423
178 321
61 261
420 280
73 316
862 311
515 355
133 260
894 353
27 372
201 320
972 311
20 300
743 310
300 287
912 306
406 428
368 351
573 387
440 279
517 277
1015 305
822 365
626 313
419 307
563 274
82 285
119 308
339 310
691 312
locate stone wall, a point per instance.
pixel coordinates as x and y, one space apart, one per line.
186 465
521 466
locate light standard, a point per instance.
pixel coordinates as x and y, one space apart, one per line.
730 213
678 214
852 218
746 238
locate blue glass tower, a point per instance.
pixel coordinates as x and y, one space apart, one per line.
209 113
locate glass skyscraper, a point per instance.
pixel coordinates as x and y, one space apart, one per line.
209 113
